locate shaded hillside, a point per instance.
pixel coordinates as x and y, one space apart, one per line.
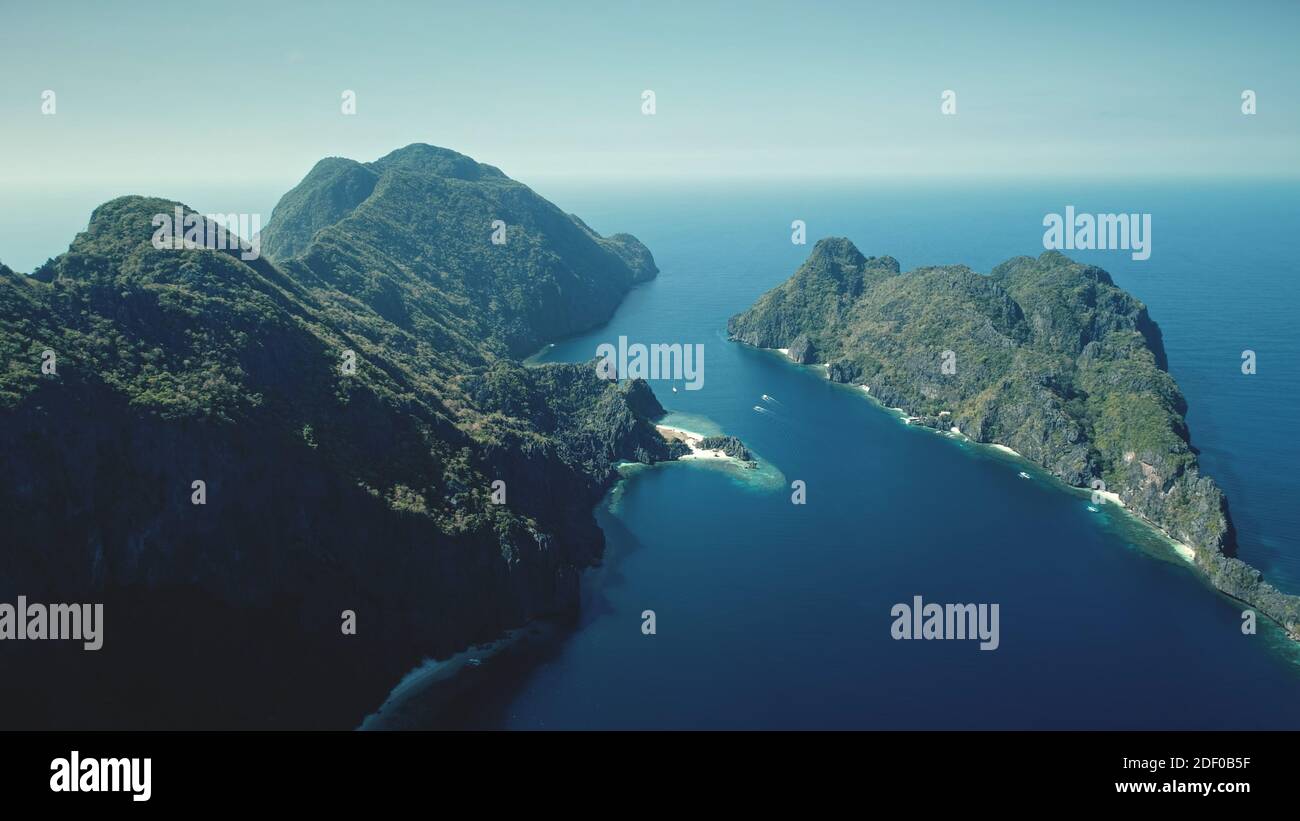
326 490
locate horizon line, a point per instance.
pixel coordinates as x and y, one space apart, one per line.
227 181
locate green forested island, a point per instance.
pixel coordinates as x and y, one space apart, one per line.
1044 356
350 403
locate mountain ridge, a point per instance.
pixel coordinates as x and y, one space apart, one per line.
325 490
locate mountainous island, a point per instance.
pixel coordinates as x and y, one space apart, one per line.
1044 356
231 454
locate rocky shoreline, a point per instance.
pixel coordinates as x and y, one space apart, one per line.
1044 357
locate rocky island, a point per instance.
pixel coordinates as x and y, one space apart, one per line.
685 444
1045 356
353 407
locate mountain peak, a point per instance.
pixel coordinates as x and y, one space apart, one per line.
839 249
426 228
432 159
123 223
336 186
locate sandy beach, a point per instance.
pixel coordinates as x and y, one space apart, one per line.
692 440
1184 551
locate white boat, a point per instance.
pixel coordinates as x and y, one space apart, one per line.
1024 475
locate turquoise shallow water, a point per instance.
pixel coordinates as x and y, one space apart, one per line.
770 614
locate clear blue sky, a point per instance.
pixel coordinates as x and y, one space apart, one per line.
149 95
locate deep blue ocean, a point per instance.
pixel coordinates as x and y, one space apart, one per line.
775 615
770 614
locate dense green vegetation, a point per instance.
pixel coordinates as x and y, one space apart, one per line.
326 486
1045 356
409 237
411 286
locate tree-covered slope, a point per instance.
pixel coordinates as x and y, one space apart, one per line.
1045 356
409 235
327 488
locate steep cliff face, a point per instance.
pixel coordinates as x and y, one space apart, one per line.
348 411
1045 356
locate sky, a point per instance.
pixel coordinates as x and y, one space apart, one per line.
153 96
